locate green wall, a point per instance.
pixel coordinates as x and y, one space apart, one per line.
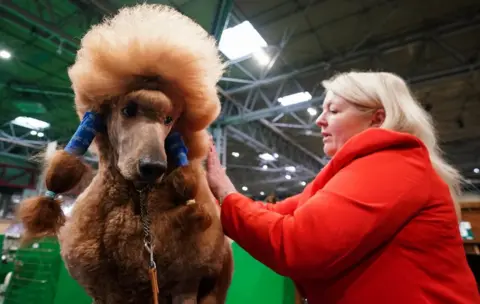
254 283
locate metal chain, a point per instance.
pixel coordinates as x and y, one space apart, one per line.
145 218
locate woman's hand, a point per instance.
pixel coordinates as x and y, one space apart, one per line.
218 180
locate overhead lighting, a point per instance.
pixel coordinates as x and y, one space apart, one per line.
245 188
295 98
262 193
261 57
312 111
264 167
476 170
4 54
290 168
288 176
267 156
30 123
240 41
303 183
235 154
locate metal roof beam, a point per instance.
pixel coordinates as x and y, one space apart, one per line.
388 45
267 141
248 116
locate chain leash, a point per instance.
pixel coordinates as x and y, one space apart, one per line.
147 241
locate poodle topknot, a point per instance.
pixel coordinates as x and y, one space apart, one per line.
149 43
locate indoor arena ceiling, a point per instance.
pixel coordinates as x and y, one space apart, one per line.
432 43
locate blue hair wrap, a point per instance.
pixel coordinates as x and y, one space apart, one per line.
176 149
50 194
83 137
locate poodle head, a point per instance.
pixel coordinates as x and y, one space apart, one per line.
148 70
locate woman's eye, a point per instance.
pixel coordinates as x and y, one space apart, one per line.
130 109
168 120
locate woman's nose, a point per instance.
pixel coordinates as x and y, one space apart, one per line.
321 121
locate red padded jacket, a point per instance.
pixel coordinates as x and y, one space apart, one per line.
377 225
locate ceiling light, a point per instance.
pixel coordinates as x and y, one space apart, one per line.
303 183
267 156
4 54
264 167
235 154
290 168
261 57
245 188
30 123
295 98
40 134
312 111
288 176
476 170
240 41
262 193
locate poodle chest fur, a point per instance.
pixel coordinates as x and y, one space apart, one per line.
103 244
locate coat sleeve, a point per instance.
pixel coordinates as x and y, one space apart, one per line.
287 206
361 207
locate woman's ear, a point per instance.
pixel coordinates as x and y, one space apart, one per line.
378 118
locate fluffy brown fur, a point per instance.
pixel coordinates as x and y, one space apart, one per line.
159 63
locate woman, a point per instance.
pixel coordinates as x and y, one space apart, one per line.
378 224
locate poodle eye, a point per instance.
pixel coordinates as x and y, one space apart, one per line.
130 110
168 120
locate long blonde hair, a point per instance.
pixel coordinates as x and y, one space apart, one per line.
403 113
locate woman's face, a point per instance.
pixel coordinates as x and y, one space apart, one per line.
340 120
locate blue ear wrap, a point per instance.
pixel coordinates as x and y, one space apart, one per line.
83 137
90 125
176 149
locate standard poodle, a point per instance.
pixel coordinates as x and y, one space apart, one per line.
147 228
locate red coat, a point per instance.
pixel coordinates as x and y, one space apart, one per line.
377 225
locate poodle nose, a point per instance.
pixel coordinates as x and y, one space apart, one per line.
151 169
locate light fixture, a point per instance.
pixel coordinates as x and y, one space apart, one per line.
303 183
295 98
30 123
264 167
235 154
4 54
240 41
261 57
245 188
476 170
262 193
290 169
288 176
312 111
267 156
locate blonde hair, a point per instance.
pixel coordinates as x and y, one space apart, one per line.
403 113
